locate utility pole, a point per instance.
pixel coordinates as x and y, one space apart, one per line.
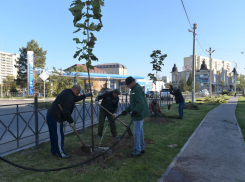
210 71
193 60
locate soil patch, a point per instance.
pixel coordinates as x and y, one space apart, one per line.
191 106
125 143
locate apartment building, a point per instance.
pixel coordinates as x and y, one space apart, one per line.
113 68
217 65
7 65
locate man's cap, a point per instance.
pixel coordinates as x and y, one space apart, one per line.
175 88
116 91
129 80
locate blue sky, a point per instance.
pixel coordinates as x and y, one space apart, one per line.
132 30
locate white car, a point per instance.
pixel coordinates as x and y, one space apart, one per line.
203 93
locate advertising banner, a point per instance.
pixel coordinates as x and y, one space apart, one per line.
201 78
30 78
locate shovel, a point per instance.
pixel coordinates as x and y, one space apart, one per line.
129 130
84 148
168 98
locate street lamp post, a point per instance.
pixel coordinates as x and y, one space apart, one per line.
193 61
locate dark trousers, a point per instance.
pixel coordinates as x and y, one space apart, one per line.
181 107
56 135
103 114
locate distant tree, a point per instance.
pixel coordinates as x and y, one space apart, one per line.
222 83
183 85
77 69
9 84
60 82
157 62
196 86
21 64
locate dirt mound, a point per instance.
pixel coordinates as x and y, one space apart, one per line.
191 106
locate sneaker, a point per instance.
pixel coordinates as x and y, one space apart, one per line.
142 151
66 156
116 136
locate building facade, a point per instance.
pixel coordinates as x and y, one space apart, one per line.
202 77
166 79
217 65
113 68
7 65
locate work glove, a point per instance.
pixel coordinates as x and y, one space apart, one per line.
72 125
97 102
133 114
89 94
124 113
115 114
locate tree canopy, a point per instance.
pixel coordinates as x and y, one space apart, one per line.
38 61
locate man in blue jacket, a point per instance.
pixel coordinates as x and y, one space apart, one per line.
179 99
56 117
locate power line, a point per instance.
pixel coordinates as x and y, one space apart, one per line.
186 13
201 47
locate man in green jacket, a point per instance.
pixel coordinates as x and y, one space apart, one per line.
139 110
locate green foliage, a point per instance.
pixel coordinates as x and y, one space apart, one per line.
189 80
183 85
196 86
157 62
39 86
9 84
60 82
225 92
222 83
21 64
79 14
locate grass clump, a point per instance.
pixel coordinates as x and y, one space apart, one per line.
240 114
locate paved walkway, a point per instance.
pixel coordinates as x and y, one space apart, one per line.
215 152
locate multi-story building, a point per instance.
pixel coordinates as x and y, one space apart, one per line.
217 65
113 68
202 77
7 65
165 79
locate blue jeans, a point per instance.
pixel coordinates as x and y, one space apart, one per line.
139 143
181 106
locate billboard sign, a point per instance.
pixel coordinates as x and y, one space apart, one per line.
30 78
201 78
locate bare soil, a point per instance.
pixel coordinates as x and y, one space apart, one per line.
191 106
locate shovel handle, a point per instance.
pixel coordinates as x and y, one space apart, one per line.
73 128
112 115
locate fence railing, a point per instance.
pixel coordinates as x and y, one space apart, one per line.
24 125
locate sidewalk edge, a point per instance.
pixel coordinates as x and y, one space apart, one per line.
161 179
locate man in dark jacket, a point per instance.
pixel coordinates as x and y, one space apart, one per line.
179 99
109 102
55 118
140 110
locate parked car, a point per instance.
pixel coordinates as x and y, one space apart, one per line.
153 94
203 93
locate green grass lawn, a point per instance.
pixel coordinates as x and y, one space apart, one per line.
240 114
149 167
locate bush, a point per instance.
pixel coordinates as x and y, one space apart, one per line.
7 96
225 92
30 96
